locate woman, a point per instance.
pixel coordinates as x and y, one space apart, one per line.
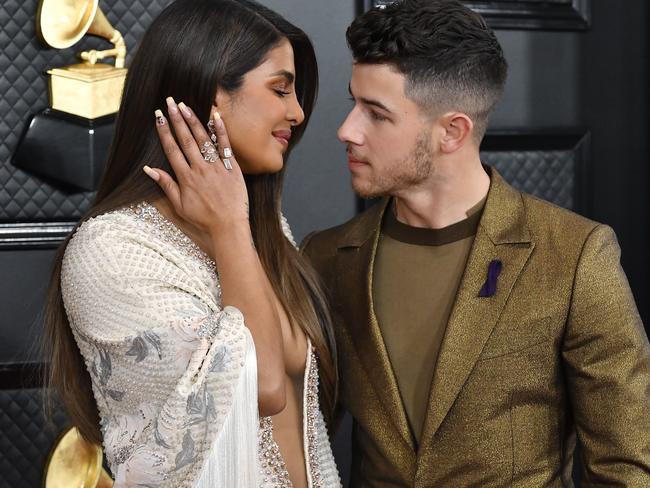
173 360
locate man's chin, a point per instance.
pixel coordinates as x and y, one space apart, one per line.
366 192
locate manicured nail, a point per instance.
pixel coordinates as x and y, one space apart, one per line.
160 118
217 120
171 106
153 174
185 109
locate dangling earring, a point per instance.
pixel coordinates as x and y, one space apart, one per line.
213 131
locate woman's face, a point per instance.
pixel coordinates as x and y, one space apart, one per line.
260 114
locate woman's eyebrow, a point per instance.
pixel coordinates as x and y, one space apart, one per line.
287 74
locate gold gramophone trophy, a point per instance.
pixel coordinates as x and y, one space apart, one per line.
68 142
75 463
89 89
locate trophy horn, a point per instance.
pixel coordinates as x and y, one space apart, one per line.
62 23
74 462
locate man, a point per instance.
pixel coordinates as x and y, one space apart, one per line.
479 329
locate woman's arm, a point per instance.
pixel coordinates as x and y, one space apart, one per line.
214 199
169 366
244 285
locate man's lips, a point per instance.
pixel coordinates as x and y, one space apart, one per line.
283 136
353 162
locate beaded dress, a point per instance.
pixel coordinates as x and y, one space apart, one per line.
173 373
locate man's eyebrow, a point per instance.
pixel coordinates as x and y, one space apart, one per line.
287 74
370 101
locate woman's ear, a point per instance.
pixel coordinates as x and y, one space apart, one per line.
221 103
221 99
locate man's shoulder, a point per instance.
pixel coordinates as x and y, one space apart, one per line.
549 220
327 241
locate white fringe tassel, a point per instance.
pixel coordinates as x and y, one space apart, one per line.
233 459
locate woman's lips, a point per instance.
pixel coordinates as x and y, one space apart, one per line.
283 137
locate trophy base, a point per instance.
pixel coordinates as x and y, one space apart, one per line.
65 148
87 90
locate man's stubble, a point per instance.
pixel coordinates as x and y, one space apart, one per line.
415 168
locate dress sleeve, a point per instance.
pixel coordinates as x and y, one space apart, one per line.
165 360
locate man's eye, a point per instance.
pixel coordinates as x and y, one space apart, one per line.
377 117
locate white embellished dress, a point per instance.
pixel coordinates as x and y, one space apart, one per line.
173 374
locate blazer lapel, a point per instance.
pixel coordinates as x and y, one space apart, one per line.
354 274
502 235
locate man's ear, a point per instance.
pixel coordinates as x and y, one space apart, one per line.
457 131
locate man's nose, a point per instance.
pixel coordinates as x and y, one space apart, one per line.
349 132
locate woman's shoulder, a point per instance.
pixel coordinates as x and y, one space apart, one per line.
106 235
137 243
139 228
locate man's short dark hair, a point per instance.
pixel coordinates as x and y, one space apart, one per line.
450 57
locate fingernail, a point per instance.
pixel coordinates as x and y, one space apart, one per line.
218 121
160 118
171 106
151 173
185 109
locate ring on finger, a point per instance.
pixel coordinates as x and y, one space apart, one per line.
227 164
227 152
209 152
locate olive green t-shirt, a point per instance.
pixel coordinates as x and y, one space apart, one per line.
416 276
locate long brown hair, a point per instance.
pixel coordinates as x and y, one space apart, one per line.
192 47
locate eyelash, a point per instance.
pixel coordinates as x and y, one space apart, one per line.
282 93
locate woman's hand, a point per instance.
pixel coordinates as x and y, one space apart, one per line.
206 193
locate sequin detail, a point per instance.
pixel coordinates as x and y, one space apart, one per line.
311 411
166 230
209 328
273 467
272 464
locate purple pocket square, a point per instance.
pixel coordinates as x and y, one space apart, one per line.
490 286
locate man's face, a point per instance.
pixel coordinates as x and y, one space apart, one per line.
389 141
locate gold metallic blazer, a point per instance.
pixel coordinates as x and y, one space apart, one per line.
558 350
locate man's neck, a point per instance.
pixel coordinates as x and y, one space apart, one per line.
444 200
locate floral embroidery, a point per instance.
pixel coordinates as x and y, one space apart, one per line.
187 455
140 349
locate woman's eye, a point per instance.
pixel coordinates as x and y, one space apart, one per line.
282 93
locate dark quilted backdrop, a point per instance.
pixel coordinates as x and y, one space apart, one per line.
25 436
23 85
549 175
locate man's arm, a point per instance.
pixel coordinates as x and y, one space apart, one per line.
607 362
